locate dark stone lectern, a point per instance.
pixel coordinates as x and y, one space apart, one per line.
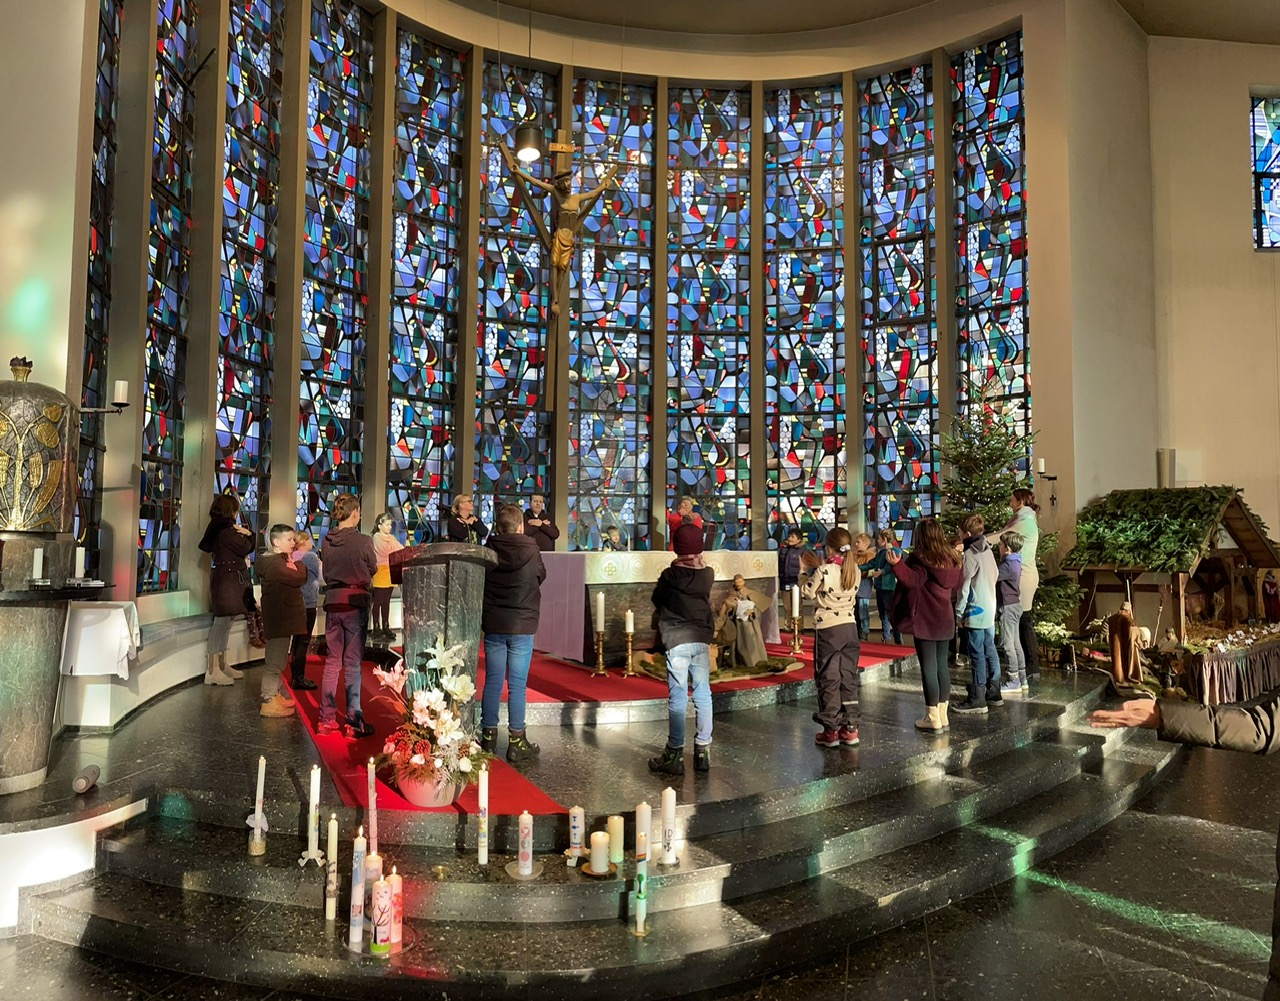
442 588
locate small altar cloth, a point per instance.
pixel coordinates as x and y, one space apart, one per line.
101 637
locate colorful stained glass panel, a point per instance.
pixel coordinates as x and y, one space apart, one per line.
1264 121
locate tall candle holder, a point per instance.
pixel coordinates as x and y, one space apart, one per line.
631 671
599 672
796 627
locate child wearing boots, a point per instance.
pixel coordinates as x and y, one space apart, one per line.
833 588
350 564
305 556
282 578
1009 605
976 614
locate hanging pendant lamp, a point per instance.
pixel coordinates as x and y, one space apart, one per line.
528 142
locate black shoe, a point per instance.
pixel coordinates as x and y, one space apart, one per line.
701 758
488 738
519 749
303 685
356 727
995 700
969 706
670 761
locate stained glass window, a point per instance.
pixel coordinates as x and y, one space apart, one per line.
98 300
991 288
335 258
424 319
708 242
513 428
804 336
899 299
1264 120
249 238
612 340
167 295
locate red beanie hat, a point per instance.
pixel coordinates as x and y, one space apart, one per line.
687 540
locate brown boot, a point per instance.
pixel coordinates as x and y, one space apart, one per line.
213 673
257 639
276 708
228 670
932 721
942 714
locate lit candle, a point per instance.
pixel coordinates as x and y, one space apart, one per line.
617 844
372 873
380 916
120 394
599 851
80 559
577 825
373 810
1039 465
313 816
482 833
331 872
356 927
37 564
642 881
668 826
599 610
257 799
397 905
526 844
795 601
629 622
644 823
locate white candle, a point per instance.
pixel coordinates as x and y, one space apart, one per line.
331 872
482 832
313 816
380 916
80 560
120 394
642 881
397 905
577 826
644 824
617 844
599 611
526 844
629 622
37 564
1039 465
795 601
257 799
373 810
668 826
356 927
372 873
599 851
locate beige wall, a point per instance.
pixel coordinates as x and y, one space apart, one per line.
47 114
1217 299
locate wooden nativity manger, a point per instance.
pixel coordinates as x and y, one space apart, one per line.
1200 545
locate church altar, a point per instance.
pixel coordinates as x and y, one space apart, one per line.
626 580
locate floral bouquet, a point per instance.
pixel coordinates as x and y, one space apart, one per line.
434 744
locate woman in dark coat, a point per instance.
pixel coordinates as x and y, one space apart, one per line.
228 543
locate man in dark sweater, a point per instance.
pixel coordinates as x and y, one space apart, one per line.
349 566
538 524
686 627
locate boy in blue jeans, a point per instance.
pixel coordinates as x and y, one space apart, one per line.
976 613
686 628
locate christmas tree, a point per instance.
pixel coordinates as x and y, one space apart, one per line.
983 455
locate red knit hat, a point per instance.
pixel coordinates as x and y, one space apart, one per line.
687 540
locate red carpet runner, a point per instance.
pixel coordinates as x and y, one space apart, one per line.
347 760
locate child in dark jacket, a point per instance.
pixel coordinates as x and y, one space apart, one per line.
884 582
349 566
284 616
686 626
512 606
1008 601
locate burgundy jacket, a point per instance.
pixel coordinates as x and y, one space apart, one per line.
930 603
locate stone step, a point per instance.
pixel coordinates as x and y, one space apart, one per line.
697 947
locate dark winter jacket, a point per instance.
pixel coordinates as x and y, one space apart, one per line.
475 533
513 589
349 565
228 575
682 599
928 611
886 581
1007 585
544 535
789 565
283 613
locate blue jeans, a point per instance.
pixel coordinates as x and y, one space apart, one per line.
864 618
506 659
984 662
688 663
344 631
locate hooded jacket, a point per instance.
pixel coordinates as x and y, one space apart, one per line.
1007 584
976 603
930 594
513 589
349 565
682 598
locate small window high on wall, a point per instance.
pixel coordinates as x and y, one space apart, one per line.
1265 125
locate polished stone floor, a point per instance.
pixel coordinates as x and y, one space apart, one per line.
1171 900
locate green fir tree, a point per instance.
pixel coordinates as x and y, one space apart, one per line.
981 455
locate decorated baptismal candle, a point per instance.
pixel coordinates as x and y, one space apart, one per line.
642 881
617 844
373 810
526 844
482 820
313 815
577 829
397 905
644 823
668 826
356 929
599 851
380 916
372 873
257 799
331 872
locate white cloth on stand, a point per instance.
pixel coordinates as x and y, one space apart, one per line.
102 637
